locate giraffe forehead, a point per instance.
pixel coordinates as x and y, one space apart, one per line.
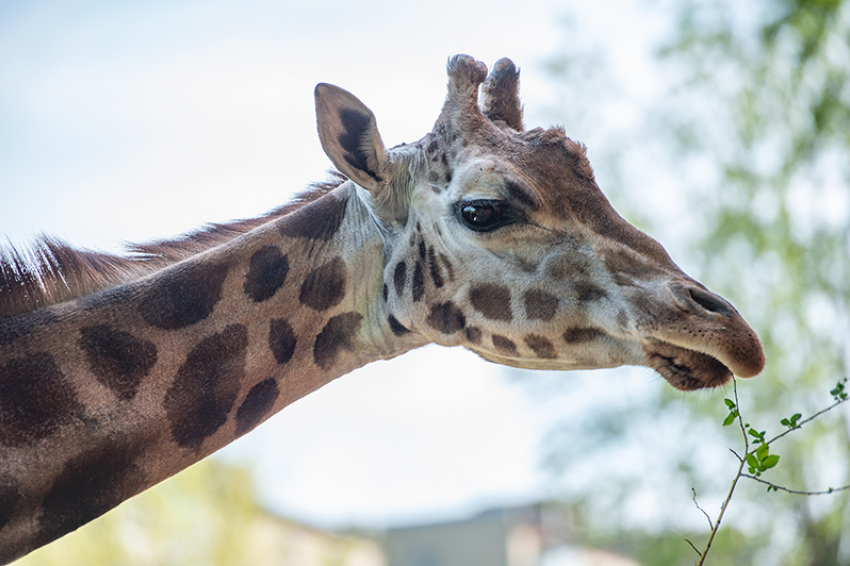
542 189
489 177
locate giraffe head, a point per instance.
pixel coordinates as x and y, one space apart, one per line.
499 240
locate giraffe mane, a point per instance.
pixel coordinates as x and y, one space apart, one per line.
51 271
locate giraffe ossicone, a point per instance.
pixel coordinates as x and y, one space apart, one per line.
117 372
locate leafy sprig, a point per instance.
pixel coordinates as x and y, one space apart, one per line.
758 459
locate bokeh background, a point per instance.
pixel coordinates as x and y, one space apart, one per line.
721 128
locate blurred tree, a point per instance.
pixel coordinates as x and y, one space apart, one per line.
755 124
777 79
197 517
205 515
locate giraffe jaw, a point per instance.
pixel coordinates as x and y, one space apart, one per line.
686 369
623 356
682 368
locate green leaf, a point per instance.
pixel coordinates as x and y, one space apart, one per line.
762 452
838 393
729 403
753 462
769 461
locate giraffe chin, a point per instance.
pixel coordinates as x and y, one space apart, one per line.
684 369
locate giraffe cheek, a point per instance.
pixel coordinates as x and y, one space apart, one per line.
446 318
540 305
492 300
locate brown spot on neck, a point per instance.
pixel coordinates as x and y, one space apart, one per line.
324 287
320 220
339 335
90 485
282 340
183 297
118 359
36 399
53 272
256 405
267 271
10 496
206 385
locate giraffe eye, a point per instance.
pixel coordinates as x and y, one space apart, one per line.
485 215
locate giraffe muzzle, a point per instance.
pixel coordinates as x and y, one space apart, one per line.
701 340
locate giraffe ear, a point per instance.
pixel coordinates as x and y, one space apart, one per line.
349 135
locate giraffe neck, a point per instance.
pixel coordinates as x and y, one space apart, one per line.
107 395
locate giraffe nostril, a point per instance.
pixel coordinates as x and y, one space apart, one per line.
710 302
700 301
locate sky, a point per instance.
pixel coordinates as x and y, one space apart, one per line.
132 121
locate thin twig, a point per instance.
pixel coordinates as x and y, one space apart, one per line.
694 547
710 523
722 512
804 421
740 420
741 464
794 491
742 461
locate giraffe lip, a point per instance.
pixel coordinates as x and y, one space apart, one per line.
686 369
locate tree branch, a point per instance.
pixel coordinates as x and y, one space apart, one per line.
707 517
775 487
804 421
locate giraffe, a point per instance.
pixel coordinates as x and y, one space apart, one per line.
118 372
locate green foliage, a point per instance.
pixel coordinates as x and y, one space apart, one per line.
733 412
792 422
197 517
756 128
760 460
205 515
778 130
839 393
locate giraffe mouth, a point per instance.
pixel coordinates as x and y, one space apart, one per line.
685 369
